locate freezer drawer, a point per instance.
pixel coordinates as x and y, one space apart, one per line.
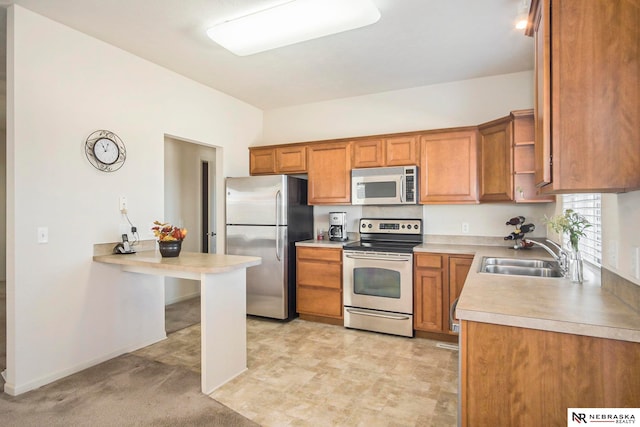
267 283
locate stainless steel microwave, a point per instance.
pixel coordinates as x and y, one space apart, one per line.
397 185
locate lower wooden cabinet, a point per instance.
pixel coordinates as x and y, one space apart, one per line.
514 376
438 280
319 282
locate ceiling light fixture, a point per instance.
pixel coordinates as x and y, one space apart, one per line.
523 15
292 22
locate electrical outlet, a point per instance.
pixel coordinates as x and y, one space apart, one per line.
43 235
465 227
612 253
123 204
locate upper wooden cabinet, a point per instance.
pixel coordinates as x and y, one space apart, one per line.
507 160
278 160
449 166
262 161
392 151
368 153
586 95
329 173
496 161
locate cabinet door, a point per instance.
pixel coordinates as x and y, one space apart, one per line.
459 267
291 159
448 167
401 151
262 161
428 292
329 173
319 282
542 93
368 153
496 161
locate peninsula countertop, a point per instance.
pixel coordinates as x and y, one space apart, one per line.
191 262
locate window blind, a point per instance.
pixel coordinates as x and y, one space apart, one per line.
588 205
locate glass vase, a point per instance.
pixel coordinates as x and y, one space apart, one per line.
576 266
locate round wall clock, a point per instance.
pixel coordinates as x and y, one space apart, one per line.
105 151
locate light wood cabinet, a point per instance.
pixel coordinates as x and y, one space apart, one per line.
291 159
507 160
368 153
586 95
449 166
496 161
524 377
329 173
399 150
438 281
319 282
278 160
262 161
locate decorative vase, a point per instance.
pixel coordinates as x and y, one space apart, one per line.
575 266
170 248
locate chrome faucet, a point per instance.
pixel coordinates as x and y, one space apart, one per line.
562 258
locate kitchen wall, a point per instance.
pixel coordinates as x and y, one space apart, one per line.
620 234
461 103
66 312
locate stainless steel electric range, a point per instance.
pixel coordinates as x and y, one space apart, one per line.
378 276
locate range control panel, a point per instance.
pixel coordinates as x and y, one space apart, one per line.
391 226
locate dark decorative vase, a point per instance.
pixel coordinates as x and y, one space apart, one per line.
170 249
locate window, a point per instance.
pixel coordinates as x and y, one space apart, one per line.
587 205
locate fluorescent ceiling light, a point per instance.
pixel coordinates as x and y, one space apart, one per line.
292 22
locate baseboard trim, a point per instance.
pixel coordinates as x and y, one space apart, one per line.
16 389
182 298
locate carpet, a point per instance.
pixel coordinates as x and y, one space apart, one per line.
125 391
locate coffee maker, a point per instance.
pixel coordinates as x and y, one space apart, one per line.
338 226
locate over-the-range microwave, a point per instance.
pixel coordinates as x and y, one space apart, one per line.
397 185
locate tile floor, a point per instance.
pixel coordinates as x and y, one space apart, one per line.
310 374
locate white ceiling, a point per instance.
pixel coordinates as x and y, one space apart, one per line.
415 43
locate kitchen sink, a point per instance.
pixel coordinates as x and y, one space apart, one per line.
521 267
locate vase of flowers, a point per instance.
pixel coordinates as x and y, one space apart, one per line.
169 237
573 224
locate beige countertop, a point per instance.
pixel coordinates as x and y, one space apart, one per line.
191 262
552 304
324 243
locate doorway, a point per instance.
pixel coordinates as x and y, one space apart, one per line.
190 202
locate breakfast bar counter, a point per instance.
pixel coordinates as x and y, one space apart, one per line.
222 304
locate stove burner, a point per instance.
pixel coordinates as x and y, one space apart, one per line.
377 246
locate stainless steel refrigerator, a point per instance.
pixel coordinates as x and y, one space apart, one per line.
266 215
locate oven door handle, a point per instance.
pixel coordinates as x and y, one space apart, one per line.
377 258
372 314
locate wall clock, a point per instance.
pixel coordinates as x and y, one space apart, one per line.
105 151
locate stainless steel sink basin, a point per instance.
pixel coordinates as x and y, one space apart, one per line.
539 263
521 267
523 271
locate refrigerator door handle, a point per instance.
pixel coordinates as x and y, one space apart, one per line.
278 201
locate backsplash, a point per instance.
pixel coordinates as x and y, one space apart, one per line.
627 291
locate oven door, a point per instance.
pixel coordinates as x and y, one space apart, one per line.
378 281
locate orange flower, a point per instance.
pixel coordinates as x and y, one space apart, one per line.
166 232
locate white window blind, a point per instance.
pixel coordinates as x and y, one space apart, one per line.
588 205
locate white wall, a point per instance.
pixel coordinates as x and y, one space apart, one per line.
620 234
462 103
66 312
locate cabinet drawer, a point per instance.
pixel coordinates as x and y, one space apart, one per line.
428 261
319 274
319 254
323 302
